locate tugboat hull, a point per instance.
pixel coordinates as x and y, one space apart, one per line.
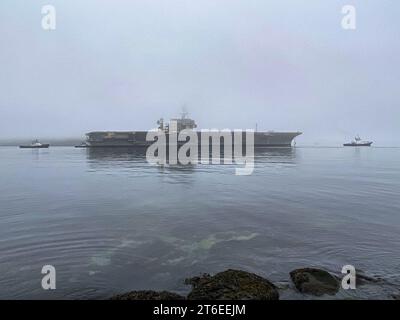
35 147
368 144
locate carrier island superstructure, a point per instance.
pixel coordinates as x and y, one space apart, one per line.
138 138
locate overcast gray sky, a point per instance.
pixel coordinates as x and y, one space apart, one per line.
121 65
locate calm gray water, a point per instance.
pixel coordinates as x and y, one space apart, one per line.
110 222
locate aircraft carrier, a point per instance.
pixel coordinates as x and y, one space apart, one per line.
138 138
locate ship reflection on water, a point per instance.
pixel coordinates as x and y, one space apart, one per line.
125 158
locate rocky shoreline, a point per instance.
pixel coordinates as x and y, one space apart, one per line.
241 285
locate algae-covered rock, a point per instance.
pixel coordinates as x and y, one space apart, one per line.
232 285
148 295
314 281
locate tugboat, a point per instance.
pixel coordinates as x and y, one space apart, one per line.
35 145
82 145
357 142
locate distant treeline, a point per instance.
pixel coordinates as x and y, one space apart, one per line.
52 142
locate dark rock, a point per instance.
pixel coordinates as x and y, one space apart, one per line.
396 296
148 295
314 281
232 285
194 281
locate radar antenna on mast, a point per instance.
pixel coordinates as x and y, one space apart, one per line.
184 112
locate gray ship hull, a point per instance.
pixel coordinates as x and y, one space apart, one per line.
138 139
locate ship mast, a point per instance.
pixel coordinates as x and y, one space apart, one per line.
184 112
